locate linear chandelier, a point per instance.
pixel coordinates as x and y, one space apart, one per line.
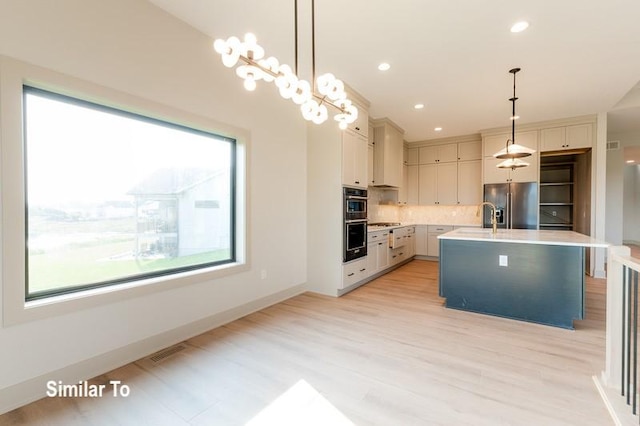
513 152
327 90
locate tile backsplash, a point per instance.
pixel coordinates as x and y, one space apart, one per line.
383 208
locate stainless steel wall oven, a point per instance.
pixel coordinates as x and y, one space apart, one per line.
355 223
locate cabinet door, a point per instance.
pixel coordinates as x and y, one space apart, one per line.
433 245
427 184
553 139
370 176
470 151
348 158
529 173
448 153
421 240
361 125
382 254
412 156
412 185
470 182
580 136
494 143
447 184
493 174
428 155
402 191
372 259
354 159
360 161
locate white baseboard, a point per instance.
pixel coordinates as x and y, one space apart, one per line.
34 389
620 412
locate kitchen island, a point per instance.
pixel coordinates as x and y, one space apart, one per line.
528 275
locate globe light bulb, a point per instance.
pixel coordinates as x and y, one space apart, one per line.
250 84
302 92
250 48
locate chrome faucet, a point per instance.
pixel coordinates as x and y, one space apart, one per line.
494 210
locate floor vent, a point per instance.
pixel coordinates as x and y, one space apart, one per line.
166 353
613 145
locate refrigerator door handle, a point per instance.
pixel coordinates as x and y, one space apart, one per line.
510 210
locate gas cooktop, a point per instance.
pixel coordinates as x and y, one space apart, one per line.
383 224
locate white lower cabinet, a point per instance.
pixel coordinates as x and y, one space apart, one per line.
354 271
421 240
433 244
426 237
377 251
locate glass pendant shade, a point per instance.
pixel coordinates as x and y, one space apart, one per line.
514 150
512 163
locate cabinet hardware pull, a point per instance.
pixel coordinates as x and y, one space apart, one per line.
351 274
363 269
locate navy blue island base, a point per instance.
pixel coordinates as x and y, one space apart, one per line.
540 283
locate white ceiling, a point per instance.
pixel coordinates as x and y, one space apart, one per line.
577 57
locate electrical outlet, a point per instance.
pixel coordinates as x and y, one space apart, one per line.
503 260
263 274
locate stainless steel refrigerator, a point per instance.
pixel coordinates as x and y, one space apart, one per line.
516 203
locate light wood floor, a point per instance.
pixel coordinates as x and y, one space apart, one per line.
387 353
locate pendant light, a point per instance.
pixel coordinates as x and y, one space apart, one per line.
513 152
313 98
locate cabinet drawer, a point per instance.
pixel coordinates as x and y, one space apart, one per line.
375 236
439 228
353 272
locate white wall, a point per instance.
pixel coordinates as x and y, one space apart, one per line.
615 167
622 217
131 46
631 203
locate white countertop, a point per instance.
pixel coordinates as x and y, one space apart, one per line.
525 236
372 228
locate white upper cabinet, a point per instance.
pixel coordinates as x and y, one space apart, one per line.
470 182
438 154
361 125
354 159
388 154
566 137
412 156
470 151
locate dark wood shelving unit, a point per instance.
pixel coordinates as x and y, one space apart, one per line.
556 196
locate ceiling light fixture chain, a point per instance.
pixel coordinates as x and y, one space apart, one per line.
513 152
255 67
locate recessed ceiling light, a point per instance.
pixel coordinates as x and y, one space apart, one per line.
384 66
418 106
438 129
519 26
631 161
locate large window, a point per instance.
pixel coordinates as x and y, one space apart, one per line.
113 196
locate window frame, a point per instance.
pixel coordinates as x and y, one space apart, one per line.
29 89
15 308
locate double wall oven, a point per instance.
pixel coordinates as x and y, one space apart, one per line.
355 223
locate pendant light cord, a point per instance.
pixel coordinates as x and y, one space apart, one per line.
513 106
295 31
313 42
